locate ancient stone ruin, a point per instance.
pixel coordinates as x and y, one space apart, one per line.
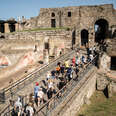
57 30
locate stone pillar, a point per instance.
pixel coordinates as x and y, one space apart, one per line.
7 30
16 27
56 51
110 92
91 38
46 56
79 36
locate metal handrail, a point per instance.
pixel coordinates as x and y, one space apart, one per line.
30 74
37 70
56 93
44 105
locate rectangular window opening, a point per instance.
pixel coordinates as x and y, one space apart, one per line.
69 14
113 63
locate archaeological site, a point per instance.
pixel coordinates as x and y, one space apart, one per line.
30 48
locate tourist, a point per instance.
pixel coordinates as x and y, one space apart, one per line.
36 89
29 109
50 84
48 76
62 68
58 70
18 106
66 64
40 96
53 74
49 93
69 73
73 61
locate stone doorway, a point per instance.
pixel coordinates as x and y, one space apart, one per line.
2 28
12 27
84 37
113 63
46 46
53 23
101 30
73 38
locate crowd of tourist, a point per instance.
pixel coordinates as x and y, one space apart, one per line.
55 80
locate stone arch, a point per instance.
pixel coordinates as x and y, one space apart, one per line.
52 14
100 17
12 27
101 28
96 19
84 37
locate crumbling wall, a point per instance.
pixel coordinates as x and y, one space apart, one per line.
84 16
58 40
105 62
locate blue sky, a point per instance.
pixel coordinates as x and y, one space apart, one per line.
30 8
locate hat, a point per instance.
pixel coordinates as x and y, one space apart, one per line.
37 83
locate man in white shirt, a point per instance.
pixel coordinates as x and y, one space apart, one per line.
40 96
29 110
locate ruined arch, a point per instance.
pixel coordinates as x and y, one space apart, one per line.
101 27
12 27
84 37
52 14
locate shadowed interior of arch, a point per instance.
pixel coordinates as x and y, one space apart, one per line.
101 30
84 37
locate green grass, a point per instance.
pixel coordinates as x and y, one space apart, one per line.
40 29
100 106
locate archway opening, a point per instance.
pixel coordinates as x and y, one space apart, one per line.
84 37
101 30
53 23
114 34
73 38
2 27
113 63
53 14
12 27
46 46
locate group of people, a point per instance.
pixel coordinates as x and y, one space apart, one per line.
55 80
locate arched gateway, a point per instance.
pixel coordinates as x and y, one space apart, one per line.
101 30
84 37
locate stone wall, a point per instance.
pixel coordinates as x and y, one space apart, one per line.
111 49
105 62
106 80
56 39
14 49
77 17
84 16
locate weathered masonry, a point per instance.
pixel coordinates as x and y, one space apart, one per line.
8 26
90 23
